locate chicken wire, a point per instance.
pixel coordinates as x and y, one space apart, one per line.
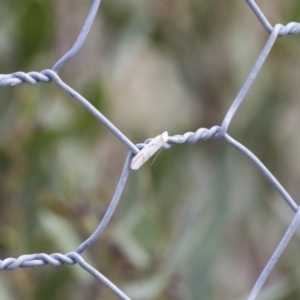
202 134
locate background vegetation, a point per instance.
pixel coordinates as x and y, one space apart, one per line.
201 222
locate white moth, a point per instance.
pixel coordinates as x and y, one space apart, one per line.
149 150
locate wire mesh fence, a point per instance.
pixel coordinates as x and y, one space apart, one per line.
140 153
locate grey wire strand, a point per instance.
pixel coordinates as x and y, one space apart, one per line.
270 177
189 137
58 259
202 134
48 76
249 81
88 106
292 28
289 29
35 260
260 16
111 208
99 276
274 258
81 38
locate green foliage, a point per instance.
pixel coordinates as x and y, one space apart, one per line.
200 222
34 27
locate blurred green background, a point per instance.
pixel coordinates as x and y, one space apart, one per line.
201 222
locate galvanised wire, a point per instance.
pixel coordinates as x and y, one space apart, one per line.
202 134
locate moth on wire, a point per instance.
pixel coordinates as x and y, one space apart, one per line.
149 150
